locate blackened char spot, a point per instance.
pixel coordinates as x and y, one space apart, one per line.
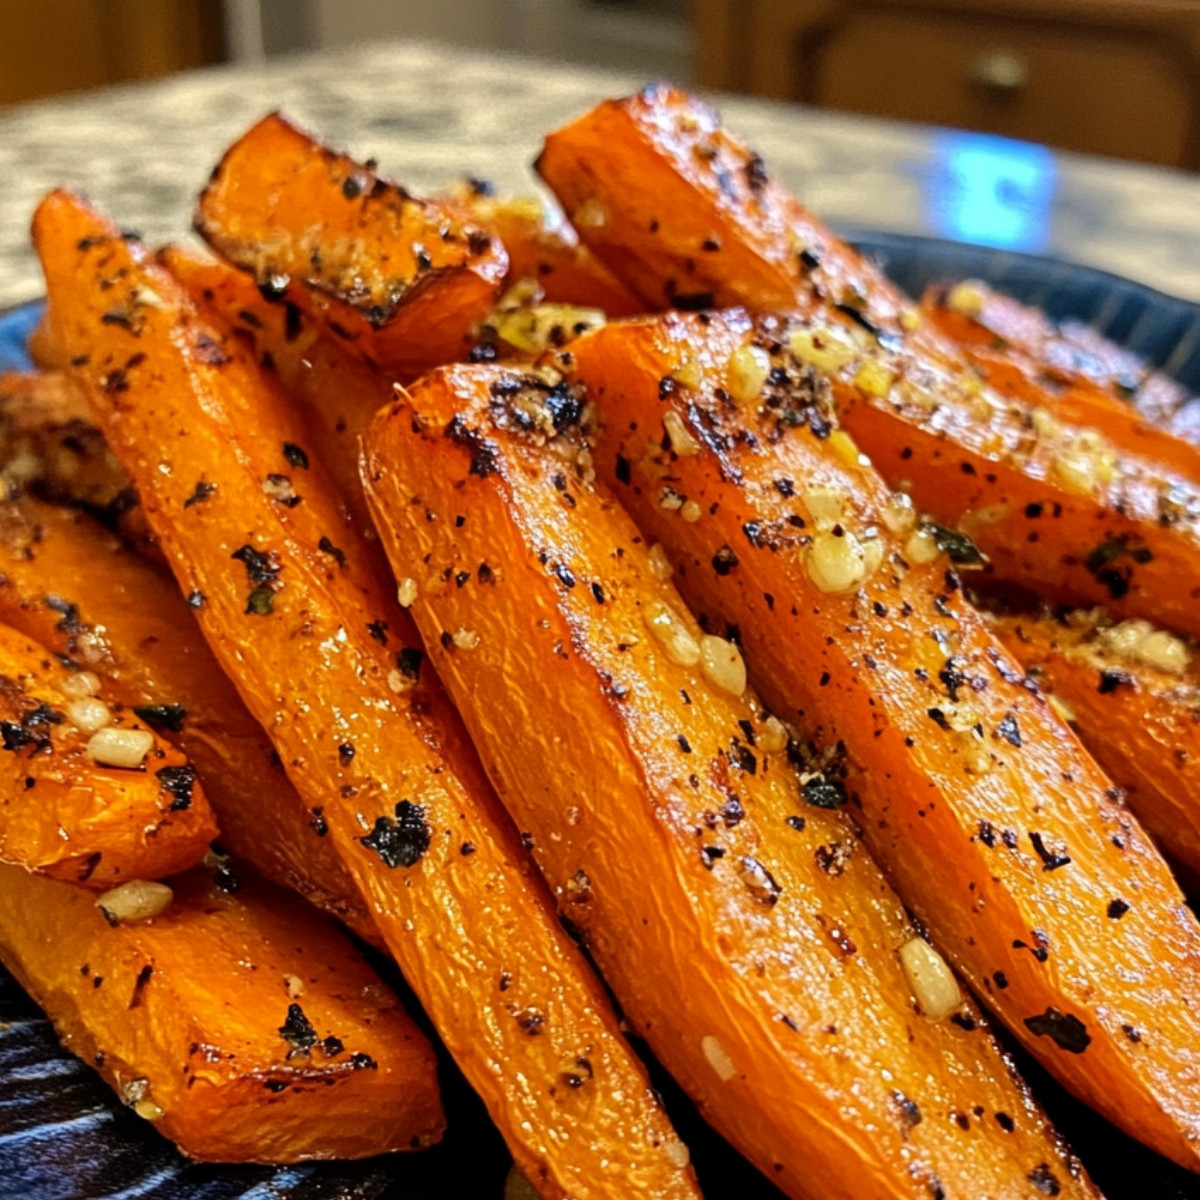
1066 1030
400 842
180 782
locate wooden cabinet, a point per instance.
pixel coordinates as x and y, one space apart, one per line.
1091 75
51 46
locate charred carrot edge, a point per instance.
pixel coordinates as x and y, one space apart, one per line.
650 180
401 281
1131 692
76 589
995 827
66 812
665 815
298 611
292 1049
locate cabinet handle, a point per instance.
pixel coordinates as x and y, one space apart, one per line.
999 71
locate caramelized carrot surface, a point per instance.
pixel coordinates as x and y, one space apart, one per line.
242 1023
402 281
1133 693
546 250
336 393
690 217
996 828
89 792
302 615
747 935
130 626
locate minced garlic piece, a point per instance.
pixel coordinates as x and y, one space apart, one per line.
922 547
826 347
112 747
837 564
746 374
722 664
137 900
660 565
679 435
874 378
718 1058
931 980
672 634
967 298
406 592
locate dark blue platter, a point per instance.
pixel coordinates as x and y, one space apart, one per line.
63 1136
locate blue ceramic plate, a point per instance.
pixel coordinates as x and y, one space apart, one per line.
64 1137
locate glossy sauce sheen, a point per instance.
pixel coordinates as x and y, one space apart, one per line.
689 216
187 1014
62 813
746 933
995 826
331 666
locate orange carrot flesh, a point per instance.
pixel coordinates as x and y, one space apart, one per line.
336 393
549 253
650 180
243 1025
301 614
69 813
994 826
401 281
132 628
666 817
1134 709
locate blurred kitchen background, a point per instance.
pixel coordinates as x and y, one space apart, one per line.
1113 77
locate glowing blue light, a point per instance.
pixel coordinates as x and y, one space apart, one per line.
989 190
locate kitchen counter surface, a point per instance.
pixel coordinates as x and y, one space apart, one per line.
430 114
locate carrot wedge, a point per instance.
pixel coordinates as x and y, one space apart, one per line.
995 827
668 821
132 628
651 180
1131 693
244 1026
402 281
301 614
89 795
49 444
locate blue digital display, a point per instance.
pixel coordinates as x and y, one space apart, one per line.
988 190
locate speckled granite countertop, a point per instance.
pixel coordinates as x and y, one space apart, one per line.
430 114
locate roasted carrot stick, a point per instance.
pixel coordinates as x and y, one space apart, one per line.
542 247
652 180
89 794
1070 354
336 392
1030 372
998 831
402 281
49 444
666 817
301 615
243 1025
127 623
1132 693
